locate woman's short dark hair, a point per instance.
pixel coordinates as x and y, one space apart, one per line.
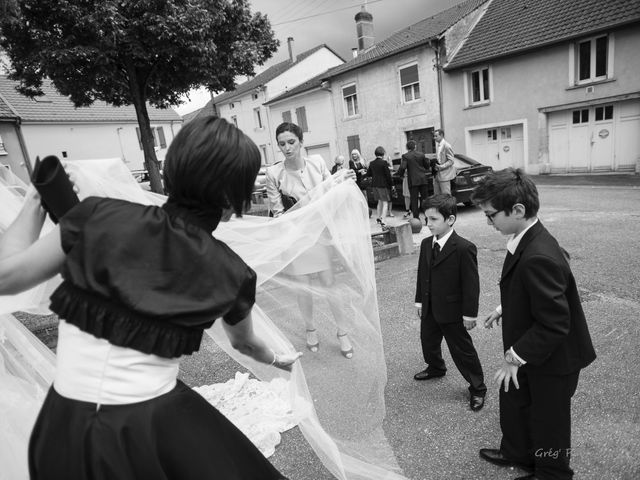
504 188
289 127
411 145
379 152
211 165
444 203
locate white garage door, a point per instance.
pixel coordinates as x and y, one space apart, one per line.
323 150
597 138
499 147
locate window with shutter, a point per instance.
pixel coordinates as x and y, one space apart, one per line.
301 116
410 83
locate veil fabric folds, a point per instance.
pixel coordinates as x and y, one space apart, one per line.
338 402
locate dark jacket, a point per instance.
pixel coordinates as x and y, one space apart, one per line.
450 285
418 167
356 167
380 175
542 317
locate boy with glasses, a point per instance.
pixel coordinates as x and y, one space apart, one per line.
545 336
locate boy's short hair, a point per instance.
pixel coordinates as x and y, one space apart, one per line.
379 152
504 188
444 203
411 145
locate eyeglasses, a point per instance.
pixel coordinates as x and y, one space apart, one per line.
490 216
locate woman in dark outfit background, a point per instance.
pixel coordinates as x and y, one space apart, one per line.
140 284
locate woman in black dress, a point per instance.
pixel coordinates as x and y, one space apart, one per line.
140 284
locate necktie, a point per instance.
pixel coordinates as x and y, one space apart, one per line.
436 250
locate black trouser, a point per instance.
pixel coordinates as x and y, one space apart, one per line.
423 191
461 347
536 423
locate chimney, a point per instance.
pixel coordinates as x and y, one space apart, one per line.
354 52
364 29
290 45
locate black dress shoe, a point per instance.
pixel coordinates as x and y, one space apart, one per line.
495 456
476 403
424 375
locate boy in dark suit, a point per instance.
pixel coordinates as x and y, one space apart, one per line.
544 332
447 294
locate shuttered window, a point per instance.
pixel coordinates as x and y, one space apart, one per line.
301 116
410 83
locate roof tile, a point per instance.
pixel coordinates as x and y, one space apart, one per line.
412 36
513 26
268 75
53 107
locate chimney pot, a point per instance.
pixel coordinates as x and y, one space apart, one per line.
290 46
364 29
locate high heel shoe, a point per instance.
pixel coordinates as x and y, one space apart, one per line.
345 353
313 347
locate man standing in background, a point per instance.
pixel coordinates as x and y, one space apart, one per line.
445 167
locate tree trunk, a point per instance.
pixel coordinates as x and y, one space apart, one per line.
146 136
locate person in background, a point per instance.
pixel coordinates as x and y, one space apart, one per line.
338 164
381 183
445 167
292 179
417 167
359 166
128 312
546 341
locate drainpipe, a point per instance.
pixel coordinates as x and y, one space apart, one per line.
436 50
23 147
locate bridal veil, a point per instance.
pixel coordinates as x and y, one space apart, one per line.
338 402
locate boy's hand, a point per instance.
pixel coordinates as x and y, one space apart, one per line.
491 318
469 324
506 373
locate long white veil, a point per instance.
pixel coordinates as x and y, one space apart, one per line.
339 402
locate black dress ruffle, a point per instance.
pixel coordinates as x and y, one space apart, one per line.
146 277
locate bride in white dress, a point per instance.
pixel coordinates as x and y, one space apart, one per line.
337 403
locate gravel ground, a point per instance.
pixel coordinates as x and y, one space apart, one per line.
429 425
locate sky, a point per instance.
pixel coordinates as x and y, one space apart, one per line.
314 22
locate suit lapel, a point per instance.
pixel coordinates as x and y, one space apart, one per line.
448 249
511 260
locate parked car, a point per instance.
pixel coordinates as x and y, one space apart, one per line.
469 173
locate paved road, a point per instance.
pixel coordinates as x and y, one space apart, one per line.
432 431
429 425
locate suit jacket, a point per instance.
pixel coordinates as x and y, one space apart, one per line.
450 284
379 171
542 317
418 167
445 160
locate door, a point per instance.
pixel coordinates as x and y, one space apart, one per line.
499 147
322 150
423 138
594 138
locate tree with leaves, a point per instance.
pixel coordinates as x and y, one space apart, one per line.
133 52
